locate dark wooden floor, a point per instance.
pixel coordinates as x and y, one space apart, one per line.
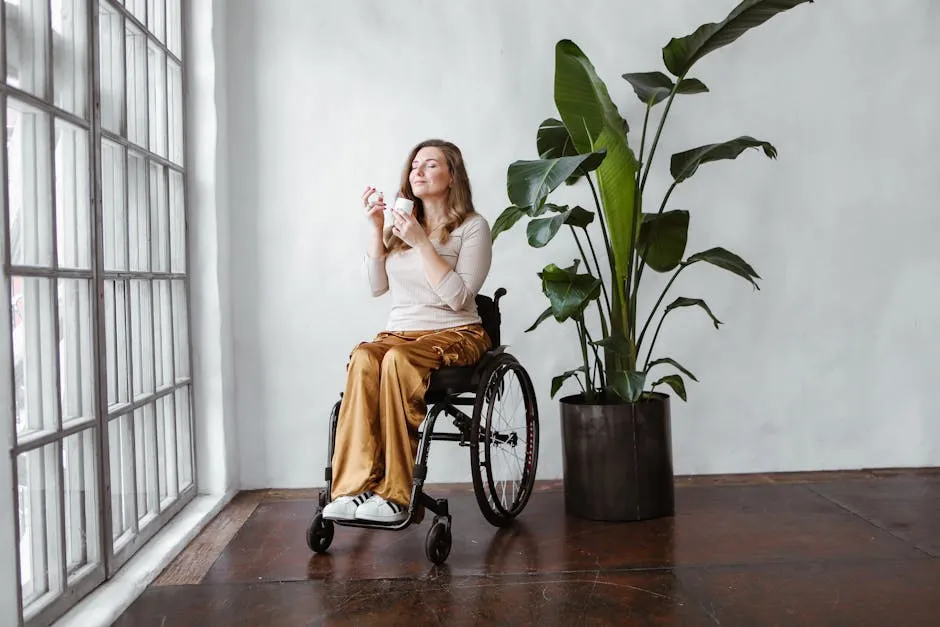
821 549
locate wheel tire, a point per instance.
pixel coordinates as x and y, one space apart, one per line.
320 534
496 513
437 546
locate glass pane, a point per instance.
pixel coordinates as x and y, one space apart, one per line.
69 54
138 8
27 28
111 66
76 350
184 439
174 27
156 18
81 502
136 86
175 105
116 334
113 205
138 214
73 213
40 546
28 159
159 220
177 224
141 338
163 328
123 482
166 444
156 90
145 445
34 354
180 330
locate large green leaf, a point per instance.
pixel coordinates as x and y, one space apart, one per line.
627 384
654 87
530 182
579 217
663 237
682 53
558 381
554 140
541 230
506 220
545 315
675 382
672 362
682 301
568 291
684 164
726 260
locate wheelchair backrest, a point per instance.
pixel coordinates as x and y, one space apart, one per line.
488 308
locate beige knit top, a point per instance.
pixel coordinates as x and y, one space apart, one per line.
419 306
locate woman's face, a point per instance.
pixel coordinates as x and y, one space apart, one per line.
429 177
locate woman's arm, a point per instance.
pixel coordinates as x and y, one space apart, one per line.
458 287
375 263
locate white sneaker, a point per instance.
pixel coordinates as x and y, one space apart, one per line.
344 507
377 509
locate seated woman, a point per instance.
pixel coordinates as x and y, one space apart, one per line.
433 262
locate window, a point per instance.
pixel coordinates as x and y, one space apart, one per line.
94 255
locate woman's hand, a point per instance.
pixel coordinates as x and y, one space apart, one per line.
375 211
408 229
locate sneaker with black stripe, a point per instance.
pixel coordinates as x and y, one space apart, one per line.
377 509
344 507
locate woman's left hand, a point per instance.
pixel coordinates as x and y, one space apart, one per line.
408 229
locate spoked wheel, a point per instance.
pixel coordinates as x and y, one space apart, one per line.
437 546
504 440
320 534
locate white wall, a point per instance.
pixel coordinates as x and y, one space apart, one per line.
828 366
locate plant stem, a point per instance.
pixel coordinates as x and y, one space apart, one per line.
597 356
603 221
597 264
649 353
662 122
656 306
582 333
646 119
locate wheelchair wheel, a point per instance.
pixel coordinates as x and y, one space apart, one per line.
437 546
504 440
320 534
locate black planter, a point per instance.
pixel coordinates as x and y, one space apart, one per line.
617 459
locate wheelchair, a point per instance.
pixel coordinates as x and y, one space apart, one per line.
502 433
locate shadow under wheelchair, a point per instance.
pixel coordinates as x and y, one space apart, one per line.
501 433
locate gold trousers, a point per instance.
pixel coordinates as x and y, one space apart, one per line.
383 406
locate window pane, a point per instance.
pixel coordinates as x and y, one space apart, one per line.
111 65
174 27
156 18
116 342
159 220
175 104
180 330
69 54
184 440
34 354
138 214
123 482
138 8
81 502
73 215
145 445
163 328
136 86
156 91
141 338
177 224
28 159
166 444
40 547
27 28
114 207
76 350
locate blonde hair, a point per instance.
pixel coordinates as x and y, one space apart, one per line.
459 195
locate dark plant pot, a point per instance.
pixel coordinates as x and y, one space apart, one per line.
617 459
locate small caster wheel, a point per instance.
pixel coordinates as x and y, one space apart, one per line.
438 543
320 534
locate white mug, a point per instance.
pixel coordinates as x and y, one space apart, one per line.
404 205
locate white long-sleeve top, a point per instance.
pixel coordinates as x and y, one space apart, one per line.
419 306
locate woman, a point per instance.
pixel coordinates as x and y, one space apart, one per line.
433 261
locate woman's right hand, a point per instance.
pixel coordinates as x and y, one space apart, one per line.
375 211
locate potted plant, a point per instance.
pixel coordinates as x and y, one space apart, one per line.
616 431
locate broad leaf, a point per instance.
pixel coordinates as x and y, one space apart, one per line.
684 164
682 53
692 302
530 182
663 237
654 87
554 140
541 230
568 291
506 220
558 381
616 343
675 382
672 362
627 385
727 260
579 217
545 315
